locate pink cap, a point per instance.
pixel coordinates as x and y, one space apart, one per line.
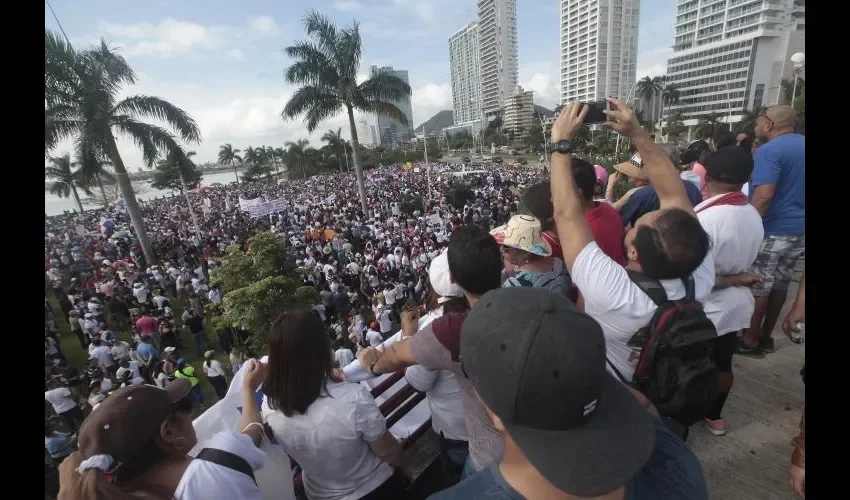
601 174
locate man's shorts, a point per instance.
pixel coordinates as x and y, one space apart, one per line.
775 262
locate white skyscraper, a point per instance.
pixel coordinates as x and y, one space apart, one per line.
497 41
599 41
466 74
732 55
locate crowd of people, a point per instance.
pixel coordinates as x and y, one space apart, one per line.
543 318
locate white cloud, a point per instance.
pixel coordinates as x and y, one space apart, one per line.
653 62
263 24
235 54
428 99
348 6
546 89
166 38
172 38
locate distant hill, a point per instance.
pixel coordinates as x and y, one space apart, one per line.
543 111
437 122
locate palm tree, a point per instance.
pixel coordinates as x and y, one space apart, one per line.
67 180
93 171
179 162
336 143
646 90
297 155
81 90
326 67
787 87
229 156
253 156
270 152
709 125
748 120
669 96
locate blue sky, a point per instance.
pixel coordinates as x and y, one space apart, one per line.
223 62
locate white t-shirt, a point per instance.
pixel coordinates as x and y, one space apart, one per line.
205 480
103 356
331 442
443 393
214 369
384 320
374 338
343 356
620 306
736 232
61 399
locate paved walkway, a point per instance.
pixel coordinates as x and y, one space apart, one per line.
763 414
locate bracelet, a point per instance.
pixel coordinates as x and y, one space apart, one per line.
262 429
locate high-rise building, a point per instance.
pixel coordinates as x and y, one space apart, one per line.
466 75
365 132
390 130
599 41
497 42
732 55
518 112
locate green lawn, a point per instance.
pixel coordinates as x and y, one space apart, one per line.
70 346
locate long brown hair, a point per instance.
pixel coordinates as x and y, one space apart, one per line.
300 362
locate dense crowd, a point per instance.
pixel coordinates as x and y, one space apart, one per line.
543 318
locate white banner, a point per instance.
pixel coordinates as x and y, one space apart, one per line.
266 208
330 199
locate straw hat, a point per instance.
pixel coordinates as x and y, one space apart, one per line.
523 233
632 168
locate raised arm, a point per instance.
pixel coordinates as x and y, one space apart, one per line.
573 230
251 422
662 174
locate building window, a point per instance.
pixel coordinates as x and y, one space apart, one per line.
758 96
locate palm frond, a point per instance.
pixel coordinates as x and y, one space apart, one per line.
321 29
312 66
308 97
348 52
57 129
383 86
139 106
151 139
387 109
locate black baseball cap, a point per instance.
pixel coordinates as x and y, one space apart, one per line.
539 364
730 165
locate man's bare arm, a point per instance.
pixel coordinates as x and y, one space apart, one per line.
662 174
762 196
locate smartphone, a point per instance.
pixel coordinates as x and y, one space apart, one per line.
594 112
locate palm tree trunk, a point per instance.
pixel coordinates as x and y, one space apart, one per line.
129 195
339 160
233 164
76 196
102 191
358 169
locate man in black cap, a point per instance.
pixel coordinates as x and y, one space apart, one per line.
570 430
736 232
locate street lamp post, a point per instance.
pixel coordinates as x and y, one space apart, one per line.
799 60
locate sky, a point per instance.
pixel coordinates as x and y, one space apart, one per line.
223 61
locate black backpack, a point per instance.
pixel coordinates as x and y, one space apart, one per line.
676 370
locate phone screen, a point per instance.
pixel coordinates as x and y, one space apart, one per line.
594 112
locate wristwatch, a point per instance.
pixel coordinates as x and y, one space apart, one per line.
560 147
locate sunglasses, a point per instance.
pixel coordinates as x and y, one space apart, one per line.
763 114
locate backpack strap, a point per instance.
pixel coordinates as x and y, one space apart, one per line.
619 375
650 286
227 459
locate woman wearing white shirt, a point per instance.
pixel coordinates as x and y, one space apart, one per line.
333 429
215 374
440 386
